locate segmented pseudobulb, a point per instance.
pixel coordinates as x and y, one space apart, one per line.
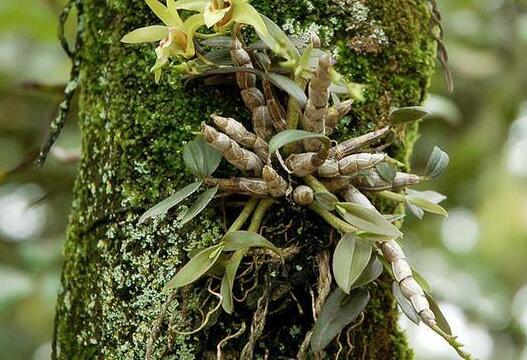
354 145
277 185
372 181
350 164
317 103
245 186
243 159
402 272
241 135
251 95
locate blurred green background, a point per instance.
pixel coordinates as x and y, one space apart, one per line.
475 260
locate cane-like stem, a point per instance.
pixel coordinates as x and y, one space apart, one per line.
331 219
244 215
259 214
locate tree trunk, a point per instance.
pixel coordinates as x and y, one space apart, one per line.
133 132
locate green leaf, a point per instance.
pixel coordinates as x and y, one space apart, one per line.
442 322
386 171
421 281
245 13
288 136
366 175
437 163
339 311
218 41
350 258
201 159
200 204
327 200
394 217
195 268
426 205
304 62
276 40
429 195
219 57
227 282
408 114
289 86
405 304
369 220
371 272
416 210
242 239
146 34
170 201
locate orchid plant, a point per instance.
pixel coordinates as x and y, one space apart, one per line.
288 153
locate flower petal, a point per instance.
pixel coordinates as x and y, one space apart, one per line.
146 34
191 25
246 14
192 5
168 17
212 17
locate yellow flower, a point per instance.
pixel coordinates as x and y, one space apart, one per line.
175 37
222 13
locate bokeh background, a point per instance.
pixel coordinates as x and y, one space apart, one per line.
475 260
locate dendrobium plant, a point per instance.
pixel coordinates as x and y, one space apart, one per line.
287 152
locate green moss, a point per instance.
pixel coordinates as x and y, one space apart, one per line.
133 132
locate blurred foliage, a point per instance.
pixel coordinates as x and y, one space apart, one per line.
474 260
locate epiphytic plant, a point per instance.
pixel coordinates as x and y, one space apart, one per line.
296 99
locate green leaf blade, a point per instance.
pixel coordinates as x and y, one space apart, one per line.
338 312
201 159
238 240
426 205
227 282
386 171
289 136
441 320
170 202
350 258
200 204
372 271
289 86
437 163
408 114
368 220
195 268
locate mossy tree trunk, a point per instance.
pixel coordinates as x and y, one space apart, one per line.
132 136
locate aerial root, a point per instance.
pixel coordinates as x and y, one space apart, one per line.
258 324
349 334
208 315
223 341
339 344
58 122
302 352
323 282
442 54
154 335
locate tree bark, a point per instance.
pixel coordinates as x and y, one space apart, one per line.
133 132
